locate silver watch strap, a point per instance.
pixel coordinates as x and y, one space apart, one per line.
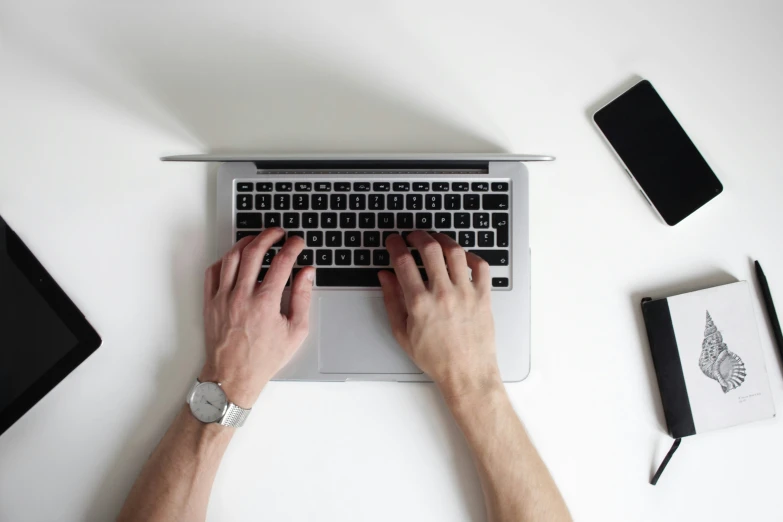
234 416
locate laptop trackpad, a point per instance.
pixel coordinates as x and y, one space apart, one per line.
355 337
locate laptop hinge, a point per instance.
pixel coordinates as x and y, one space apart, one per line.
372 167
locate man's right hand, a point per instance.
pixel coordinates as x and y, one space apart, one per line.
445 326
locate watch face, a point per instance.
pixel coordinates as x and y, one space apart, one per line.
208 402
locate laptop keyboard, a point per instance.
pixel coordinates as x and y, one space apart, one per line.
345 223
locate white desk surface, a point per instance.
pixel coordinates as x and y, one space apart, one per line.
93 94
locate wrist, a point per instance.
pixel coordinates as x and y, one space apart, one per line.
465 388
239 390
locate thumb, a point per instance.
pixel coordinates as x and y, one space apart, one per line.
395 306
299 304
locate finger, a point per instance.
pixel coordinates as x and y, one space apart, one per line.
432 255
212 280
455 259
395 304
230 262
282 264
253 256
480 271
299 304
404 267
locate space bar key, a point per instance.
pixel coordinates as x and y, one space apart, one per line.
347 277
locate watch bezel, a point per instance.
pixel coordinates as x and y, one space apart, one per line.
193 394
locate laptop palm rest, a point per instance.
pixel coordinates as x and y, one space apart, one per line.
355 336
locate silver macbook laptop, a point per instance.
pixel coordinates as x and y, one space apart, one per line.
344 206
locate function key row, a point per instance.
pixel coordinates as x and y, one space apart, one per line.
366 186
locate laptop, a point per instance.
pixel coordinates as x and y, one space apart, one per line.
344 206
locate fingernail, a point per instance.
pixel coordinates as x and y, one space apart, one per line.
309 275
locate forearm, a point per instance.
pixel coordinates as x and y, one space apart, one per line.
516 483
176 481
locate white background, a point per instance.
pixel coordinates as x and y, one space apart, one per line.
92 94
731 312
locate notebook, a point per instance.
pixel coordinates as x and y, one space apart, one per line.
707 354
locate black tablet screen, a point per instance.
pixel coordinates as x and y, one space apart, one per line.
32 336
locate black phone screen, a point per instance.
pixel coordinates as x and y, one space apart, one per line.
658 153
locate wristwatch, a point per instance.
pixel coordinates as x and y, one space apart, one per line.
208 403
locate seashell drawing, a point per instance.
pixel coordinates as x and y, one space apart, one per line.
717 362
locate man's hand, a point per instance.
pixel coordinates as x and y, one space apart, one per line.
446 326
247 338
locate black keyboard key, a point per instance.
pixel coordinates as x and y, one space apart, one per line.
245 233
271 219
319 201
263 187
303 187
347 220
282 201
461 220
433 201
401 186
305 257
500 282
329 220
493 257
500 224
486 238
323 186
283 186
459 186
417 257
450 233
290 220
405 234
381 186
280 242
394 201
361 257
244 187
480 186
442 220
297 233
334 238
263 201
467 239
440 186
366 220
310 220
358 201
262 274
372 239
315 238
472 201
480 220
421 186
293 275
500 187
424 220
383 239
323 257
244 202
453 202
404 220
376 202
353 238
351 277
268 256
495 201
380 257
338 201
414 202
342 257
301 202
342 186
385 220
361 186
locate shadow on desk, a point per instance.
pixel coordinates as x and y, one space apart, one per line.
713 278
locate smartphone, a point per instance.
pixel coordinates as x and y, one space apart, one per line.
657 153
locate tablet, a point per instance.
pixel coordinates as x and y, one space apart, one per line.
43 336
